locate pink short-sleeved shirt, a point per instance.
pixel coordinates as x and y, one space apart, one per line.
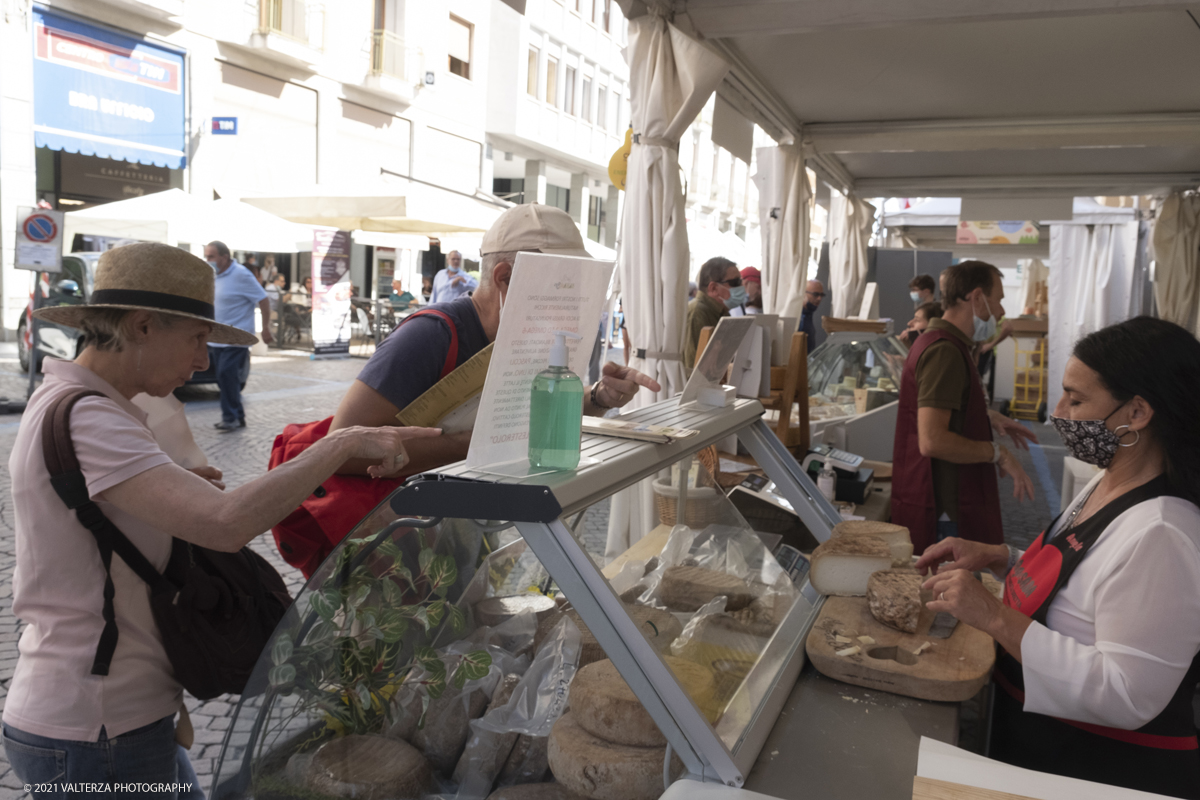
58 584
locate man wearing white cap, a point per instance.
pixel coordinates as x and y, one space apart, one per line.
416 355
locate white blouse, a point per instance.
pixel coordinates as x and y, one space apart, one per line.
1123 631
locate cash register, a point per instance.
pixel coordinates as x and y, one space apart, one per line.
853 479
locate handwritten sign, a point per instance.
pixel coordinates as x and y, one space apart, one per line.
547 293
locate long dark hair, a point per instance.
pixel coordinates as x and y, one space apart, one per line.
1160 362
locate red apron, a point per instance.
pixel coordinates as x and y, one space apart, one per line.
309 534
1162 756
913 503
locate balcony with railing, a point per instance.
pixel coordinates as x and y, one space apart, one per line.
395 68
290 32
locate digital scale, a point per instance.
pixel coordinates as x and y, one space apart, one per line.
854 481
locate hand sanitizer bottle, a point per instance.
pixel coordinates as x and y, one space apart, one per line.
556 411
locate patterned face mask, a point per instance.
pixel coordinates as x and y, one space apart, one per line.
1090 440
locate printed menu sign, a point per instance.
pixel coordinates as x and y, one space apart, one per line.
547 293
331 292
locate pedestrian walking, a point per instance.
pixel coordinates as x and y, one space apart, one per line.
237 293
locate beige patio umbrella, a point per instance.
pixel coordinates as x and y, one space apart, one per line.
783 202
671 77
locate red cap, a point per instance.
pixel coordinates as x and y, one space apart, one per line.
751 274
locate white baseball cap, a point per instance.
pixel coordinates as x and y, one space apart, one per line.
532 226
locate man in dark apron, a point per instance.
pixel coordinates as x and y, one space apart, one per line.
944 462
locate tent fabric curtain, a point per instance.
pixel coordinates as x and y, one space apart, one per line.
850 222
1176 257
671 77
784 211
1093 285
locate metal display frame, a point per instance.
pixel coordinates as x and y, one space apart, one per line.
537 505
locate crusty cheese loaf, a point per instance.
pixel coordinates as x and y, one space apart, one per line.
894 597
842 566
896 536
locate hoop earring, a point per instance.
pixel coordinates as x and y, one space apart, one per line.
1138 434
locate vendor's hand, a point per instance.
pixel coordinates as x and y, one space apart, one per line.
1006 426
210 474
1010 467
619 385
960 593
384 445
954 553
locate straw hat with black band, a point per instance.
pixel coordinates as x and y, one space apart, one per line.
149 276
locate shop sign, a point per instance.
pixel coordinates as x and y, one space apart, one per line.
331 293
102 93
39 239
1002 232
224 126
106 179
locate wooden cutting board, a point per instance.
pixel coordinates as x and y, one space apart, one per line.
953 670
930 789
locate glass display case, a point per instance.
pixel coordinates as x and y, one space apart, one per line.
436 649
853 372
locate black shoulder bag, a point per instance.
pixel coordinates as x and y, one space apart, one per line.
215 611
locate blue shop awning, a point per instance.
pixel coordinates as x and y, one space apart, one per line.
102 93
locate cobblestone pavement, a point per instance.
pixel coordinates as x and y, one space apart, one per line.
288 387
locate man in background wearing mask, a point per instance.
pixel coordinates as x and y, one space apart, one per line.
814 293
451 283
920 290
945 458
237 292
720 289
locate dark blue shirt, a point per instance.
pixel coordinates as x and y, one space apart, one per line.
410 360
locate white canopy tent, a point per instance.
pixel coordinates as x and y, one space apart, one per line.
387 207
784 208
176 217
943 211
671 78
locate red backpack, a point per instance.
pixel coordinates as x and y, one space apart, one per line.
309 534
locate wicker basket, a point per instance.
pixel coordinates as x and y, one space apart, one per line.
704 504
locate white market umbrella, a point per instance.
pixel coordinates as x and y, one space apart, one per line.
784 210
671 77
850 221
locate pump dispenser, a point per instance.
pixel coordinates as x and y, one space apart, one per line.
556 411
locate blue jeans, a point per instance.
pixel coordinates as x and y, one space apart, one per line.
227 364
946 529
145 762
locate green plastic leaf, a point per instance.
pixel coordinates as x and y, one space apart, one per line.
427 658
442 572
282 650
405 573
458 618
364 695
435 611
425 559
366 617
425 698
393 595
319 634
474 666
436 688
359 596
281 675
326 603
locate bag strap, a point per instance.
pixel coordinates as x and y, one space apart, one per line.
66 477
452 353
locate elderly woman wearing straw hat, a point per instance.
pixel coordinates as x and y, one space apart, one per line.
146 330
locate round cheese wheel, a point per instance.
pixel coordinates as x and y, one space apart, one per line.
370 767
658 626
495 610
604 705
602 770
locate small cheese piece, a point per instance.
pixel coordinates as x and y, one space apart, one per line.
867 640
660 628
841 639
894 597
534 791
688 588
849 651
923 648
896 536
604 705
841 567
495 610
602 770
370 767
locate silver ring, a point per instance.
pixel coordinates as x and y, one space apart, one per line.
942 596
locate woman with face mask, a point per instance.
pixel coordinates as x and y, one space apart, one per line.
1099 628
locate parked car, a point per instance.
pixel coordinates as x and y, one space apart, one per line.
71 286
